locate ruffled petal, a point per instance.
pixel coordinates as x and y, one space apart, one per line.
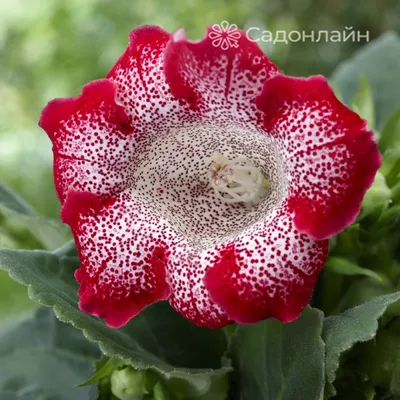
219 83
123 251
143 91
331 156
187 267
270 271
92 141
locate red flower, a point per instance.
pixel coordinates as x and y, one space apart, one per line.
207 178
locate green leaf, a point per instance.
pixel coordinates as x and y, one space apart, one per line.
42 358
68 250
395 381
14 202
329 291
347 242
363 103
101 390
106 369
396 194
13 298
376 199
390 137
345 267
48 231
186 356
197 388
391 166
383 361
358 324
274 361
353 384
388 220
379 62
361 291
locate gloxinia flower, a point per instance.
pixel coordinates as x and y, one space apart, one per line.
205 177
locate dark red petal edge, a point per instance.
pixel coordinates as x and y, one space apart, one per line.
94 95
237 296
324 220
94 297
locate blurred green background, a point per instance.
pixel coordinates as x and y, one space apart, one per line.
51 48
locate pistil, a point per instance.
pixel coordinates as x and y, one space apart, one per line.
237 180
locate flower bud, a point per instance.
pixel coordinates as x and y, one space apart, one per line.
128 384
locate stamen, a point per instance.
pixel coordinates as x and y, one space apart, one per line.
237 180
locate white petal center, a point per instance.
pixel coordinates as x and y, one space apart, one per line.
209 198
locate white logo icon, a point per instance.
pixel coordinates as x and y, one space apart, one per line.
224 35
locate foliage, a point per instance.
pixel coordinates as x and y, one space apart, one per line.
43 358
268 354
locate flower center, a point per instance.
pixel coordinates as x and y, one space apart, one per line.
237 180
205 196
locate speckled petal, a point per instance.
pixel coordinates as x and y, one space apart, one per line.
218 83
187 266
143 91
123 250
331 156
134 168
269 271
92 138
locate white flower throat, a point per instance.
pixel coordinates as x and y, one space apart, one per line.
237 180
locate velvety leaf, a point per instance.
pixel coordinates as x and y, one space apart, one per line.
273 360
345 267
42 358
358 324
158 338
50 233
379 62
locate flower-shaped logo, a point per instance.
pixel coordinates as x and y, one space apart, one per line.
224 35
